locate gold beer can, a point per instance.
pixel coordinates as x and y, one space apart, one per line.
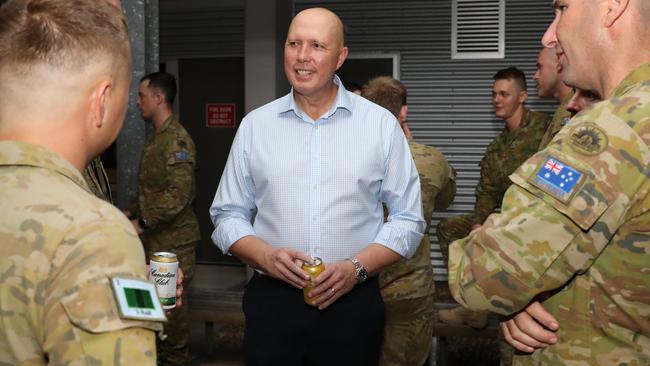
313 269
163 269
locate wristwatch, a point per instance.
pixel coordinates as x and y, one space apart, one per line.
362 274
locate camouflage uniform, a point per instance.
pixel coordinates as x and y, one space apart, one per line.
504 154
583 249
165 194
97 180
560 119
59 246
407 286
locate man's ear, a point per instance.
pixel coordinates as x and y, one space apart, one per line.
342 56
523 95
614 10
403 112
99 98
160 98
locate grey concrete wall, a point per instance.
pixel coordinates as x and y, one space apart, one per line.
142 19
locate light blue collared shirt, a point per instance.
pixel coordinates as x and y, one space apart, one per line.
318 186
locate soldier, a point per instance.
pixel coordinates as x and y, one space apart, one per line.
518 141
573 233
550 85
64 80
407 286
163 212
534 327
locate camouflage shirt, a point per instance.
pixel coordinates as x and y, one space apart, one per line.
505 154
167 187
560 118
59 246
583 248
97 180
413 278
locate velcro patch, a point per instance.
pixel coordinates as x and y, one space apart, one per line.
181 156
137 299
557 179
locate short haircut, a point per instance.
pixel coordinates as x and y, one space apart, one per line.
512 73
67 34
387 92
163 82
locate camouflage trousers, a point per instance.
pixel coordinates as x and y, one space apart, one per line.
175 349
453 228
408 332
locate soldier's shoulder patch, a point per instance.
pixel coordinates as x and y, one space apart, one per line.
181 156
137 299
588 139
558 179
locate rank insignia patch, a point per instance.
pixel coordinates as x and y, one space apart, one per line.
557 179
588 139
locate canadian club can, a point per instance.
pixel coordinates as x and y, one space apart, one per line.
313 269
163 268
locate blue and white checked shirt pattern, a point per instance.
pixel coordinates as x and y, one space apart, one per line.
318 186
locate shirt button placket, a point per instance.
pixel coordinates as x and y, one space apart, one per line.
314 192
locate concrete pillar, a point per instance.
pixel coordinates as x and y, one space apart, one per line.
142 19
267 22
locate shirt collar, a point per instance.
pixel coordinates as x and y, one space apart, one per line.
26 154
342 101
166 124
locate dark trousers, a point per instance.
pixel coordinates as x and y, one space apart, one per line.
281 330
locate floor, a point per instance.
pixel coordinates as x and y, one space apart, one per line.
227 349
226 340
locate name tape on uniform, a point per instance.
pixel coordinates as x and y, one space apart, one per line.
137 299
558 179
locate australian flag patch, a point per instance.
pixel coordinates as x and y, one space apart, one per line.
181 156
557 179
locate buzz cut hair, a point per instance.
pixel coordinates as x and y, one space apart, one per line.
386 92
66 34
164 83
512 73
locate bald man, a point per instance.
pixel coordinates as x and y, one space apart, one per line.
306 177
550 85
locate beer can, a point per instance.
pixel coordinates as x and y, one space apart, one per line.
163 269
313 269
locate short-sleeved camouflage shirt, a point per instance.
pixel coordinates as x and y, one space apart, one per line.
412 278
574 232
560 119
60 245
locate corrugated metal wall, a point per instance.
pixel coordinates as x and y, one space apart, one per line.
449 100
201 29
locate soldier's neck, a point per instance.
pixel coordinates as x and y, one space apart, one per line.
513 123
160 118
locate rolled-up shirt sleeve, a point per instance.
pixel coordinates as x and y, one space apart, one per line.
400 191
233 207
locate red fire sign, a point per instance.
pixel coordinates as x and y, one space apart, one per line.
220 115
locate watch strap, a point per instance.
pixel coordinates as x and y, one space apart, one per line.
361 272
